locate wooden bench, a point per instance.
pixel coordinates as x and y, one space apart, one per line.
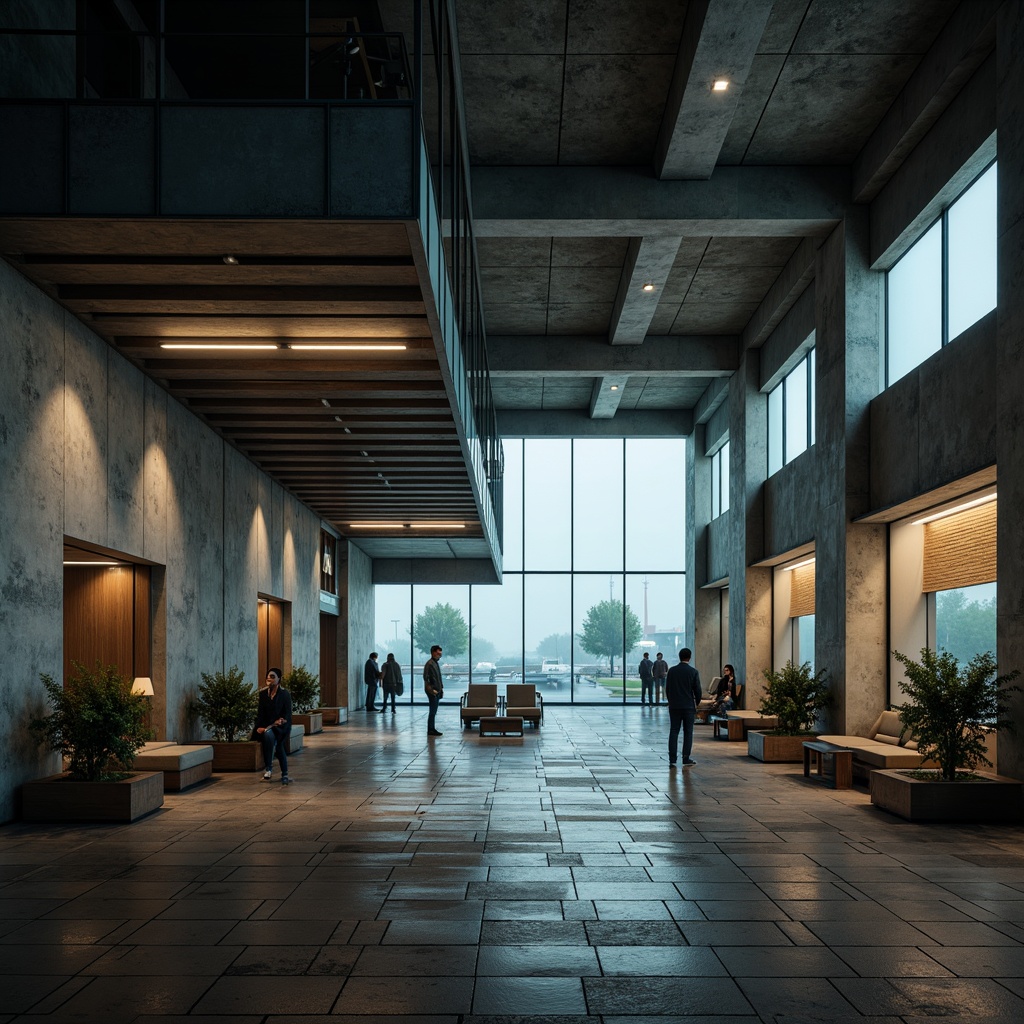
501 725
334 716
825 754
731 727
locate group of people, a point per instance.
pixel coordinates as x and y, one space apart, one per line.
680 685
392 685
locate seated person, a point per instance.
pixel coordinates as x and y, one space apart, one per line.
727 691
273 724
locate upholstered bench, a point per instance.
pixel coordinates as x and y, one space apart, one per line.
183 765
295 738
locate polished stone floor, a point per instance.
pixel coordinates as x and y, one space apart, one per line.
566 877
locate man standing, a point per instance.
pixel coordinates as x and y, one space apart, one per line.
370 676
273 724
682 688
646 670
660 668
433 686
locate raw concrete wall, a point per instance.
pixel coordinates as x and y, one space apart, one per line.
790 512
360 606
938 423
93 450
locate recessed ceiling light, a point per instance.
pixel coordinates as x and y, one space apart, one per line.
350 347
231 261
648 287
615 387
326 404
720 85
376 526
444 526
962 507
210 346
799 565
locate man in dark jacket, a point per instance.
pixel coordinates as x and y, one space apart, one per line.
646 672
683 692
433 686
371 673
273 724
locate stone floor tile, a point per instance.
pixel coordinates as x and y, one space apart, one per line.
932 997
22 993
868 933
634 933
742 910
628 910
537 961
660 961
523 910
270 995
113 999
61 959
555 933
981 961
415 961
733 933
782 962
683 996
278 933
406 910
529 996
165 961
805 999
395 995
578 910
836 910
417 933
960 933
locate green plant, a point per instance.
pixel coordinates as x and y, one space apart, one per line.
794 695
304 688
96 722
952 708
226 704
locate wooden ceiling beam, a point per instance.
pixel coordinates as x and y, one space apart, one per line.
162 326
241 368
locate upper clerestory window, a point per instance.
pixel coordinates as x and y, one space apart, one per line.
945 282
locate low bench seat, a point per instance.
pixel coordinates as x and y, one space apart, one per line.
183 765
888 746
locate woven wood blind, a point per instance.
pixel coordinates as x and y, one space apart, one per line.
801 594
960 550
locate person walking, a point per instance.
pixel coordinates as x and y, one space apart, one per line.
273 724
433 685
683 690
391 682
371 673
646 671
660 668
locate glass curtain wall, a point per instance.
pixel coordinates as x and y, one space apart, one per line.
595 554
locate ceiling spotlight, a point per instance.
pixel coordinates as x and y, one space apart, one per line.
648 287
615 387
231 261
325 403
720 85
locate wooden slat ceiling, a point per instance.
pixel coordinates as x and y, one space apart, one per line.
359 435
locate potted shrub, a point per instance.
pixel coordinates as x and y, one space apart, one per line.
226 704
793 696
952 710
305 690
99 726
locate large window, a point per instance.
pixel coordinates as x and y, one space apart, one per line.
945 282
720 481
595 552
965 621
791 415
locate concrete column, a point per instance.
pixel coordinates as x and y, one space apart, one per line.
1010 367
750 589
703 625
850 571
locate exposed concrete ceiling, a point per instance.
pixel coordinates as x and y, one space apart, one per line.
576 108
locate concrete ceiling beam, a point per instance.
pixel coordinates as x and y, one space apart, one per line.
796 275
687 356
648 264
606 395
959 50
714 395
577 423
587 202
719 41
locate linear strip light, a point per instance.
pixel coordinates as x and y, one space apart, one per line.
962 507
377 526
438 526
410 526
357 347
219 346
107 565
798 565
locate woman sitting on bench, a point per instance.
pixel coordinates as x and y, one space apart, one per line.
727 693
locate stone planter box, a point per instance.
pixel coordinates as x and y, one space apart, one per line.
991 798
763 746
313 721
334 716
60 798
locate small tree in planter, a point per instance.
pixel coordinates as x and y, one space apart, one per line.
99 726
794 696
96 722
226 705
305 690
951 708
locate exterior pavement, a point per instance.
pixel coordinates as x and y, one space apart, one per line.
562 878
